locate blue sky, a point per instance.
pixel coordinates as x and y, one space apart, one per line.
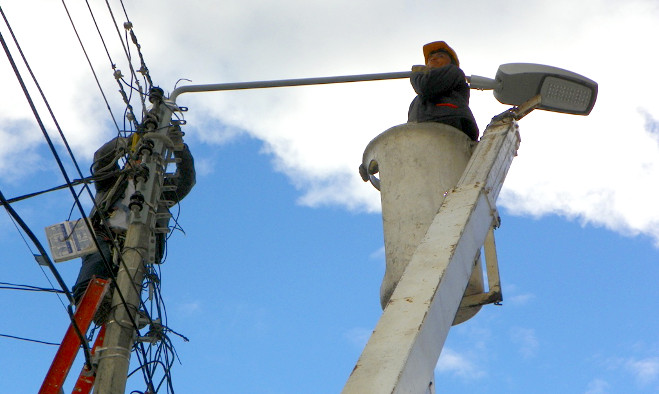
276 280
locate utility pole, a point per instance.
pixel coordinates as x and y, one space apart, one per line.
154 151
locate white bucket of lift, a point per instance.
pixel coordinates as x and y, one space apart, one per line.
418 163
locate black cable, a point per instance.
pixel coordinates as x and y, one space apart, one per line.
75 196
38 245
75 182
28 339
13 213
37 257
38 119
69 183
59 279
107 52
59 162
143 68
98 83
14 286
116 72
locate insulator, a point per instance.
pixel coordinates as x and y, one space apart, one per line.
136 201
155 94
141 173
150 122
146 146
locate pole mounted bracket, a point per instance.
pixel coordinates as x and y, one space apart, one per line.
518 112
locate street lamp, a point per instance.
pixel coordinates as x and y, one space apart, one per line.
560 90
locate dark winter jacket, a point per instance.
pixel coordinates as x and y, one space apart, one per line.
111 183
443 97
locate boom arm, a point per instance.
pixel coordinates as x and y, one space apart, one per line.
404 348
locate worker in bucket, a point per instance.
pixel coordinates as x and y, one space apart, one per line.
442 90
442 94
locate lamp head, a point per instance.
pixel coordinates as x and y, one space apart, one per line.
560 90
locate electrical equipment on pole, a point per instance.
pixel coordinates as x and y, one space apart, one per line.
155 149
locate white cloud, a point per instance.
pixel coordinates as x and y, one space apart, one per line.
358 336
645 370
520 299
189 308
601 169
597 386
378 254
458 364
526 340
514 296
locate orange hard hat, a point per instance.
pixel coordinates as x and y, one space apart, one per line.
437 46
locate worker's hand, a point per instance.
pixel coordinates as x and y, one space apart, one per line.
418 68
176 135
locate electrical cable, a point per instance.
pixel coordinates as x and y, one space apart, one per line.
29 340
144 70
45 257
98 83
116 72
30 234
142 354
59 162
61 166
75 182
75 196
38 118
37 257
5 202
14 286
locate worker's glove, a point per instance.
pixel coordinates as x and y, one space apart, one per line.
418 68
176 135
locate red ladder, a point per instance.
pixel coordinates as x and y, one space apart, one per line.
87 376
68 349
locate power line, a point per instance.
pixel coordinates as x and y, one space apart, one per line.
15 215
145 367
165 345
75 182
38 118
48 140
28 339
128 26
98 83
46 259
14 286
117 73
59 162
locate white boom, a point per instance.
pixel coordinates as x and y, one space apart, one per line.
403 350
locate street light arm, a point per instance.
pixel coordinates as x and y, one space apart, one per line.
286 82
483 83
